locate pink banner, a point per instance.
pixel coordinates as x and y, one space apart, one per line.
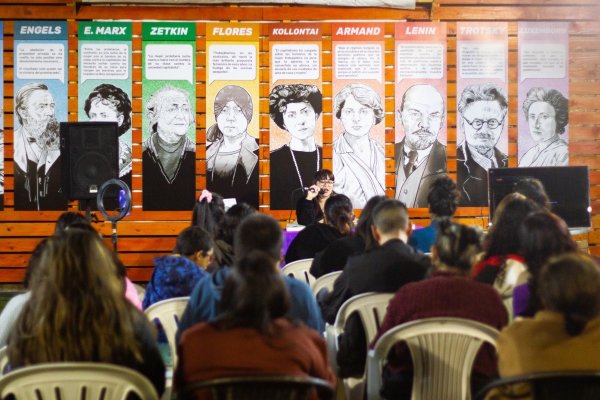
482 107
420 109
358 110
543 94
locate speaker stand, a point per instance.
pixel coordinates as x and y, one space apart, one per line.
88 210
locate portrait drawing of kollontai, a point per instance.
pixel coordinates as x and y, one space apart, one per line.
295 108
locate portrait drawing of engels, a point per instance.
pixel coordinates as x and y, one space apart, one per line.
547 115
107 102
295 108
38 180
483 110
169 156
358 160
420 156
232 155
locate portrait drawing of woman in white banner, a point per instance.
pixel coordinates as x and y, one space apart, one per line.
547 114
232 155
358 160
295 108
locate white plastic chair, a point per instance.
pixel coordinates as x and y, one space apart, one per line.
443 351
325 281
82 381
371 307
168 312
3 359
299 270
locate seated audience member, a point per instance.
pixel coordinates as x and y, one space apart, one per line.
310 208
542 235
255 232
534 190
223 249
449 292
383 269
502 263
565 333
334 257
208 212
77 312
72 220
68 219
443 199
15 305
177 274
251 335
339 218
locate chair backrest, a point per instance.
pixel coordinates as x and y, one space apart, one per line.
325 281
81 381
443 351
258 388
558 385
3 358
299 270
168 312
371 307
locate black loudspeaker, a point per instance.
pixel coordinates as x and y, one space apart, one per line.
90 157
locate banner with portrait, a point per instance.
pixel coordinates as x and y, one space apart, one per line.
420 110
40 101
2 117
295 108
358 110
482 107
104 73
543 106
232 111
168 116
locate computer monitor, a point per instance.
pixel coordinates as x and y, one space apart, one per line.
567 187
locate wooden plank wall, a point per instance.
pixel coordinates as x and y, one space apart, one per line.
144 235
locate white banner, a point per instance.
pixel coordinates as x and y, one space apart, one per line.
406 4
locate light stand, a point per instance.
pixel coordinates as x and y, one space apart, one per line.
124 210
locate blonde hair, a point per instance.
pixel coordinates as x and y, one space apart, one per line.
78 310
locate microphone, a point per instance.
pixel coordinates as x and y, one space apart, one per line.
312 190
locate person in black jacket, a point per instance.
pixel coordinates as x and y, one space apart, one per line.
338 222
384 269
334 257
309 209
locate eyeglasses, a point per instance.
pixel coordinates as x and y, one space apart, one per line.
491 123
325 182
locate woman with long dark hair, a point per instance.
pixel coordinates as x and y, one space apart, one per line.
334 257
542 236
502 262
251 335
78 312
338 222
